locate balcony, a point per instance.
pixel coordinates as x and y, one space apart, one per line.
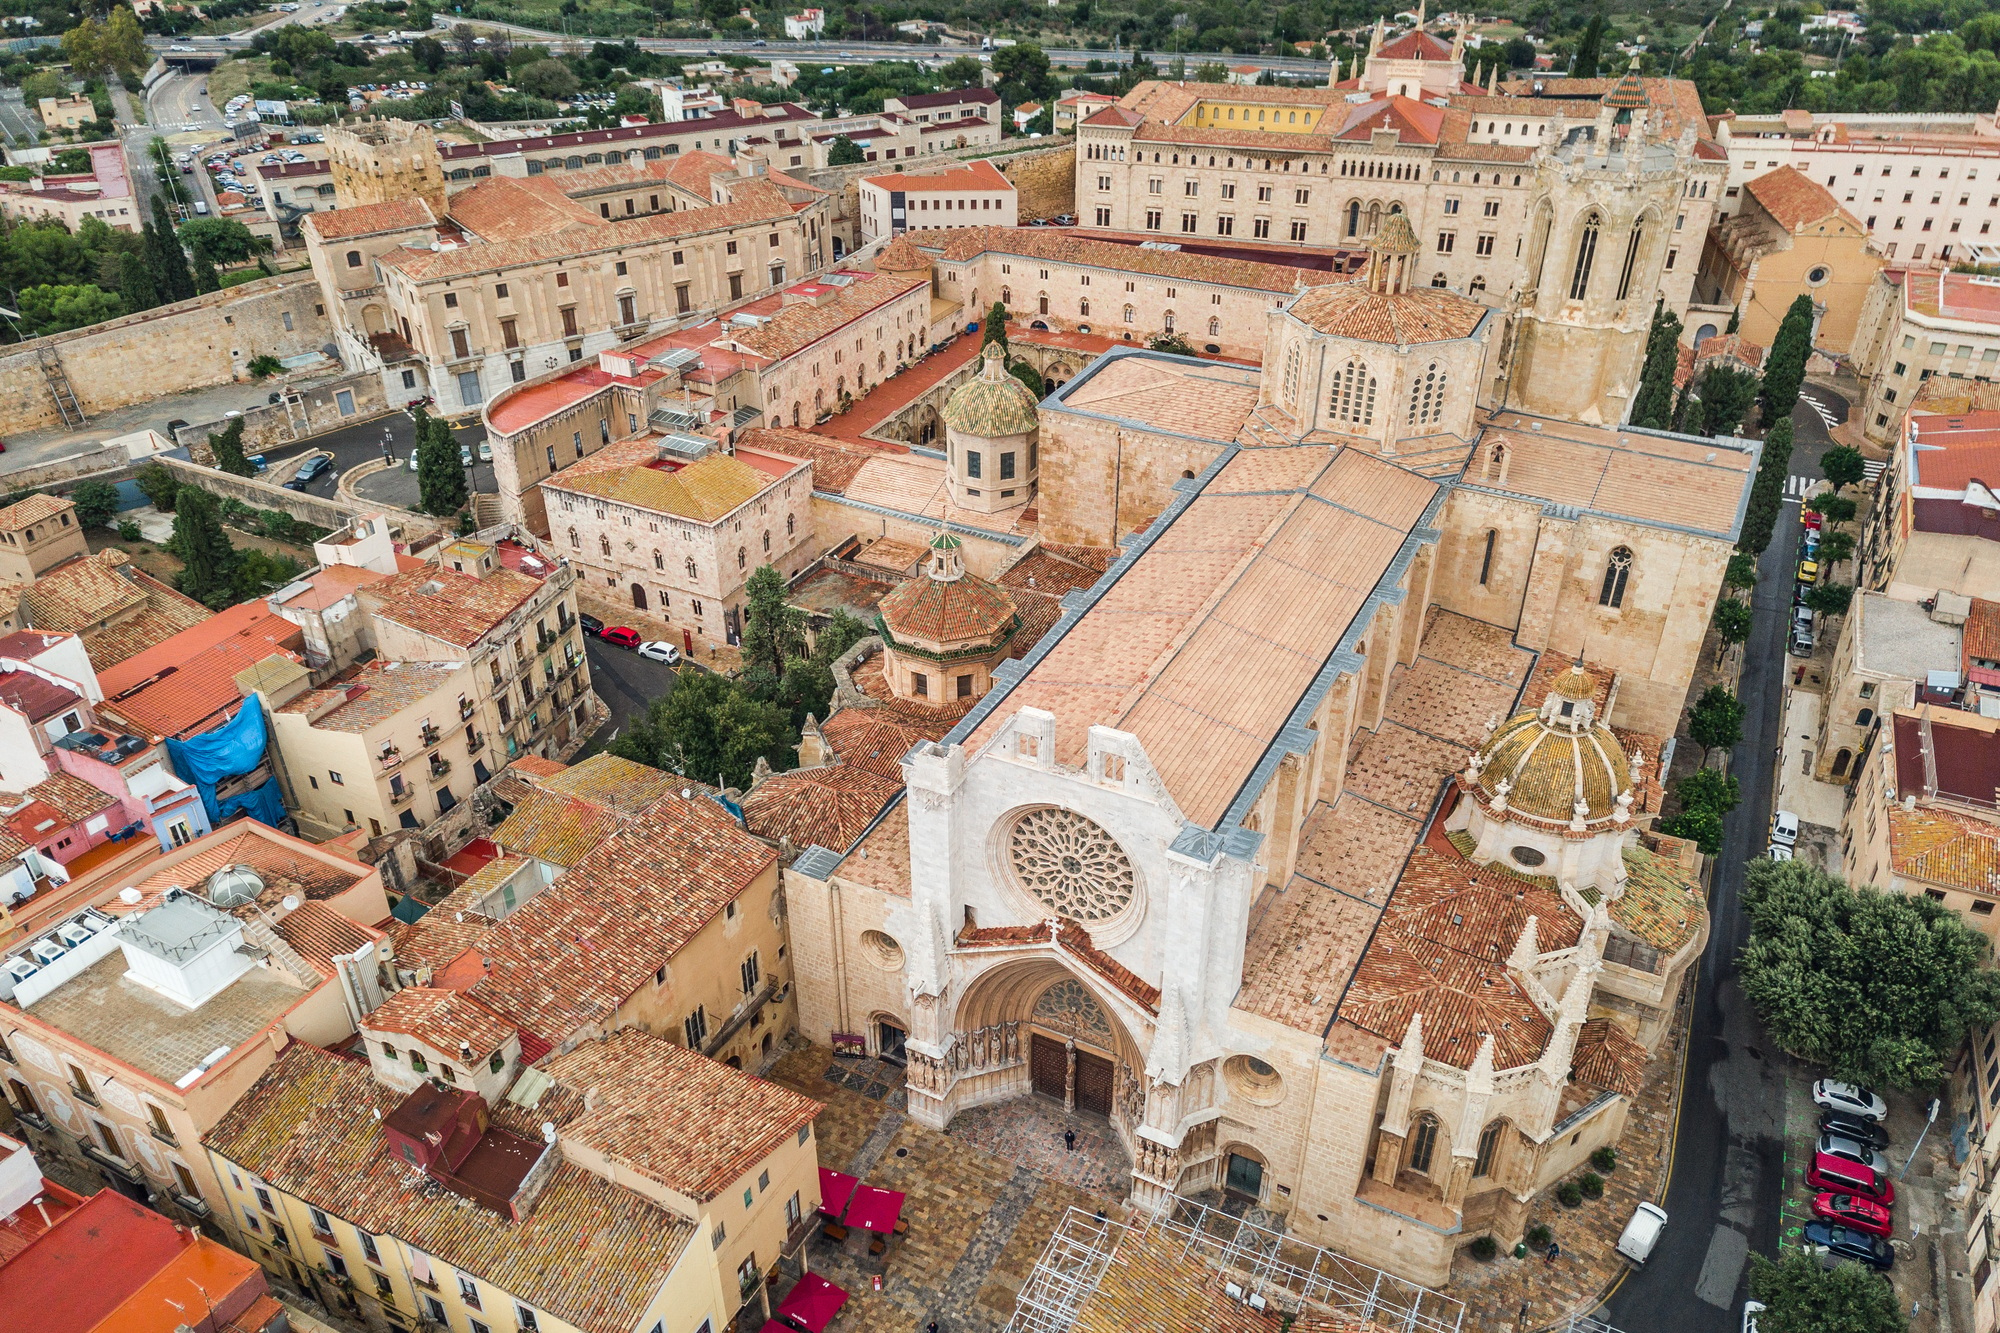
474 742
401 797
429 736
466 708
391 760
118 1166
34 1120
164 1135
544 640
440 766
190 1205
84 1095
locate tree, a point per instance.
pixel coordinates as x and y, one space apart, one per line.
1700 826
1875 988
550 80
123 44
228 449
205 277
1023 71
1830 599
1785 366
773 630
1836 546
258 572
1716 720
1589 49
135 283
1705 796
962 72
1725 394
1031 377
1732 622
1799 1296
844 152
223 240
1767 492
204 549
1833 508
1742 572
173 278
1843 467
161 487
996 327
96 503
51 308
83 46
710 729
1654 406
440 474
1171 342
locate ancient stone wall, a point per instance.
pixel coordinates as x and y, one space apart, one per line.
311 509
1045 180
193 344
300 413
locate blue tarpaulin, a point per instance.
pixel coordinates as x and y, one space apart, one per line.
231 750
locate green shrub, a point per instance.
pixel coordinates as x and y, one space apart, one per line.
1605 1159
1569 1194
1539 1236
1483 1249
128 531
1591 1184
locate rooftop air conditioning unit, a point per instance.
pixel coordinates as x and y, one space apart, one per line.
20 969
1256 1302
74 933
47 950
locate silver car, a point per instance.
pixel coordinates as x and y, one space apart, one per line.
1853 1150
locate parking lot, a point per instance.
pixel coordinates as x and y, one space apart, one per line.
354 445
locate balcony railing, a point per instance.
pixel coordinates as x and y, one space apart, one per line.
466 708
440 766
474 742
429 735
190 1205
544 640
391 760
164 1135
401 797
117 1165
84 1095
33 1119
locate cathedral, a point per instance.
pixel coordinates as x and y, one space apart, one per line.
1290 805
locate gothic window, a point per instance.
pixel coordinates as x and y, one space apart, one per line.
604 544
1354 218
1006 296
1353 397
690 567
1586 255
1423 1142
1631 260
1486 561
1616 571
1214 327
1129 312
1478 284
1070 865
1489 1144
1427 397
1292 358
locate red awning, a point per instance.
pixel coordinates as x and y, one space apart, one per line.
875 1209
835 1189
812 1304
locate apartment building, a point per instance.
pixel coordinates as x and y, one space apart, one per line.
1935 523
1923 819
509 617
972 196
1919 324
682 537
789 357
128 1028
1889 656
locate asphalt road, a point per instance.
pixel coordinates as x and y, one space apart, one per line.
626 682
1728 1167
16 122
362 443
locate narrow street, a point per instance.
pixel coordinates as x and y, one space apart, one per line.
1728 1167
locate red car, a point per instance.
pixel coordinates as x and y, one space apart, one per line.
1850 1210
1841 1176
622 636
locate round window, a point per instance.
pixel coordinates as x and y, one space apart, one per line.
1070 864
1253 1080
1818 275
882 950
1527 856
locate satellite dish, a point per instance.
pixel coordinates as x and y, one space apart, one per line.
291 902
130 897
233 886
548 1131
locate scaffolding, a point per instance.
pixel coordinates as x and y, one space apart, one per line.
1263 1268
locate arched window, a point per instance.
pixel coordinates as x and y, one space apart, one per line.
1427 397
1129 312
1374 219
1440 280
1864 717
1292 359
1169 322
354 259
742 558
1478 283
1006 296
573 539
659 560
1586 255
1617 570
1423 1142
604 544
1489 1145
690 567
1841 761
1083 308
1353 398
1631 259
791 524
1214 327
1354 218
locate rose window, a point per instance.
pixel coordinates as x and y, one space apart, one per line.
1071 865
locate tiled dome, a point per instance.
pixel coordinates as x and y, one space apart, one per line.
946 605
993 404
1557 763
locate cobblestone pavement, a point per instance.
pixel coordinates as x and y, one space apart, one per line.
978 1217
1538 1292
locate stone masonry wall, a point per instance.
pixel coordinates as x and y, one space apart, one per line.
1045 180
262 495
301 413
189 345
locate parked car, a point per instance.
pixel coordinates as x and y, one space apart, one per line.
1857 1127
1778 853
413 459
1642 1233
1785 828
1802 643
486 451
1844 1177
1843 1243
1853 1150
1808 572
1854 1100
591 625
660 651
622 636
1851 1210
465 455
1751 1309
310 472
1811 520
259 462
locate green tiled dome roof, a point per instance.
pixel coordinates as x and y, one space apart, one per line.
1548 769
994 404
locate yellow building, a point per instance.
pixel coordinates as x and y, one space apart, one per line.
1791 239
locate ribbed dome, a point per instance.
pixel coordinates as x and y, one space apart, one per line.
1557 763
1395 237
994 404
946 605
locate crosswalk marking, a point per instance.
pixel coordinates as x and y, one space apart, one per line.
1872 469
1797 487
1817 406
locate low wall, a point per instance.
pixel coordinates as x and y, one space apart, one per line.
95 463
195 344
300 413
313 509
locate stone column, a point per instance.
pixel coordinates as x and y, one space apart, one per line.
1069 1073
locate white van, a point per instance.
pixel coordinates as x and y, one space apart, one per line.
1642 1233
1785 828
201 207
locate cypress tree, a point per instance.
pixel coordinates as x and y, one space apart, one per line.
1785 367
1654 406
178 284
203 548
205 279
228 450
135 283
1589 49
440 476
1767 492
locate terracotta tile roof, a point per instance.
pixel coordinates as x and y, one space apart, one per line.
35 697
1416 44
1660 904
619 784
1946 848
71 797
1274 576
824 807
549 826
117 610
834 462
506 208
198 692
705 490
901 256
965 610
692 171
1155 1282
1209 401
1413 121
568 957
1791 197
1047 570
981 175
931 721
237 621
35 509
438 937
590 1253
443 1020
1730 346
1419 315
867 739
799 325
445 604
341 224
690 1123
950 97
1606 1058
534 766
319 933
279 860
968 243
1462 1000
1121 116
882 860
